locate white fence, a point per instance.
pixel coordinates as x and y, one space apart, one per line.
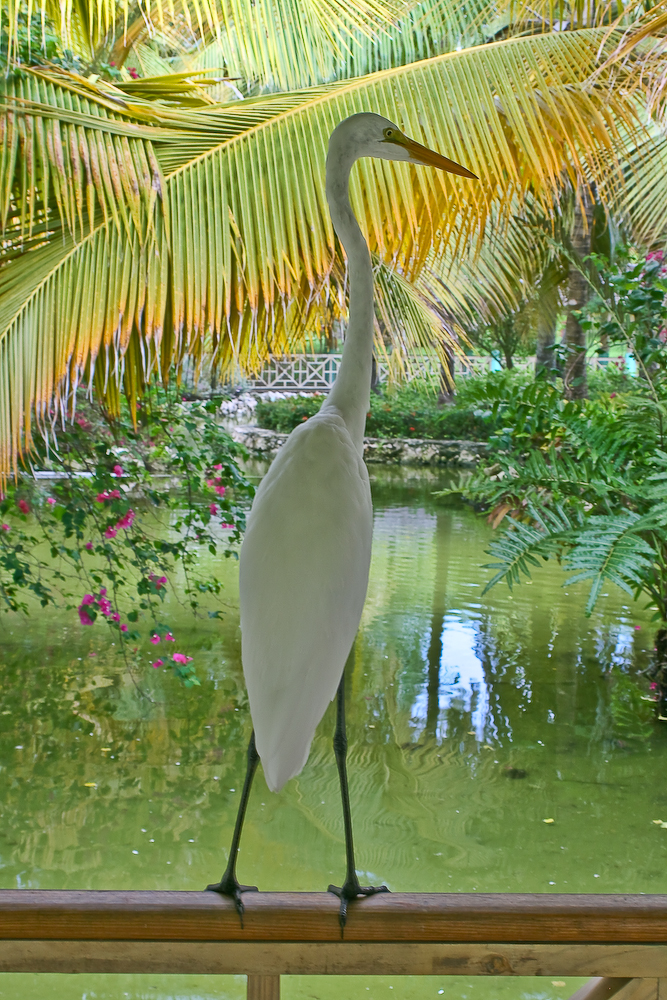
317 372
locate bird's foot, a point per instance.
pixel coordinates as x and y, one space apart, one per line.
352 890
230 886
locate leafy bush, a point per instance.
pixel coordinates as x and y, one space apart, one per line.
412 411
92 537
283 415
586 481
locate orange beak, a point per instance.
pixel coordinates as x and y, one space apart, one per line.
426 157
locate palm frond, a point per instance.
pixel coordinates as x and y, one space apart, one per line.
84 25
234 219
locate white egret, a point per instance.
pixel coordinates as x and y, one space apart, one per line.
307 548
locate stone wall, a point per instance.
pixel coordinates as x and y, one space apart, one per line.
398 451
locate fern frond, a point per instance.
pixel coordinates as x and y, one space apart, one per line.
610 548
522 544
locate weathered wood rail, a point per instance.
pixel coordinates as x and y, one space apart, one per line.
619 940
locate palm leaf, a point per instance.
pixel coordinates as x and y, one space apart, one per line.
245 228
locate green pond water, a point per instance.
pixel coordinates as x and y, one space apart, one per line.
471 720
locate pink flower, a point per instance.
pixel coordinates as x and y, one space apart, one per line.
653 686
158 663
117 470
220 490
84 617
181 658
654 255
84 424
637 628
87 599
115 617
108 495
89 546
213 508
155 639
224 524
5 527
217 467
126 520
123 628
169 637
110 533
51 502
23 507
105 606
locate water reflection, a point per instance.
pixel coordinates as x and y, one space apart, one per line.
472 719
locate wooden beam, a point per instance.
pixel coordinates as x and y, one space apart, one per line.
599 988
549 918
317 958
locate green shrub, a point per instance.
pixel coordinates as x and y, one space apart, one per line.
283 415
412 411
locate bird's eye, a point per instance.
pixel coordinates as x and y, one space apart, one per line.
388 133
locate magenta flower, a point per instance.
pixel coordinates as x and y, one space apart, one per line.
23 507
126 520
181 658
87 599
655 255
105 606
110 533
51 502
123 628
224 524
213 508
89 546
155 638
115 617
117 470
169 637
84 617
108 495
220 490
217 467
653 686
158 663
5 527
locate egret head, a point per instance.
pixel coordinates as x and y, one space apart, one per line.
368 134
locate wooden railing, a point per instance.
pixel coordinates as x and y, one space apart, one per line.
619 940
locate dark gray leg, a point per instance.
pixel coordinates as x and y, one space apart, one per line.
350 888
228 884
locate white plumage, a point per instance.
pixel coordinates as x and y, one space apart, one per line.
306 553
304 574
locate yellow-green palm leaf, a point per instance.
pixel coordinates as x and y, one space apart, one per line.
240 227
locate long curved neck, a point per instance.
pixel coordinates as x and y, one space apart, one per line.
351 391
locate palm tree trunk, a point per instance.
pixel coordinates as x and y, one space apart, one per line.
547 317
578 292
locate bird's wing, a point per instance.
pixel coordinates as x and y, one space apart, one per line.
303 581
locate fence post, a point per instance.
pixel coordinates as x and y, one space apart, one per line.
263 988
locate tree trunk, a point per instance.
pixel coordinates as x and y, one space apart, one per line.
547 316
578 292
